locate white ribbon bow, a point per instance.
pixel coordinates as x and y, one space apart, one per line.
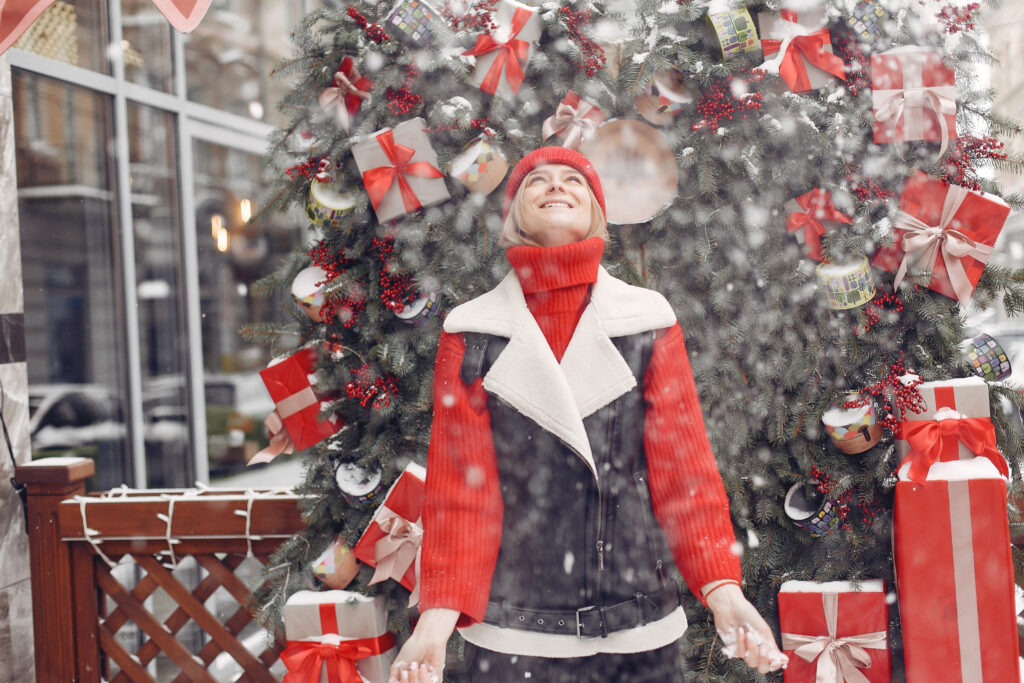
571 123
398 549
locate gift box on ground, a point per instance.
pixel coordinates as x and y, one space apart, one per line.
833 631
391 543
951 545
799 48
399 169
810 216
501 56
575 120
295 422
913 96
346 93
967 396
336 637
945 232
336 566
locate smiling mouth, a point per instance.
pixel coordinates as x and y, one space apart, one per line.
555 205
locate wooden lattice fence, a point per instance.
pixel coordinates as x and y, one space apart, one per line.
149 585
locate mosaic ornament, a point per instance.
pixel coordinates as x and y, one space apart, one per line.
421 310
480 166
663 98
357 486
308 291
846 285
413 21
735 32
867 20
811 510
853 430
336 566
987 358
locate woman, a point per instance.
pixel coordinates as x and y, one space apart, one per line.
567 447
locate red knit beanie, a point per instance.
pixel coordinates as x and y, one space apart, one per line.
552 155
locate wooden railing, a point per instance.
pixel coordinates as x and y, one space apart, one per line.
148 585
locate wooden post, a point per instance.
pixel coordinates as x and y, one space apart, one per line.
48 482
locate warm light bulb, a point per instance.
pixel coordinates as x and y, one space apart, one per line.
245 207
223 241
216 225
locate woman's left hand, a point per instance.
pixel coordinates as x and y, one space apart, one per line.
745 634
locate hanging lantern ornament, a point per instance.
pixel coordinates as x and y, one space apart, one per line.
853 430
480 166
336 566
325 207
734 32
663 98
308 291
357 486
810 509
846 285
421 310
987 358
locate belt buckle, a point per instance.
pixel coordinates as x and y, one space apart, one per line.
579 623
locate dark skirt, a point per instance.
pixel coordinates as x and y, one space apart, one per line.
663 665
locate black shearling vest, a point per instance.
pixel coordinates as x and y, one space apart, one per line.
572 537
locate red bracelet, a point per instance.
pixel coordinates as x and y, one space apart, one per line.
726 582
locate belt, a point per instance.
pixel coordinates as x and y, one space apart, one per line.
591 621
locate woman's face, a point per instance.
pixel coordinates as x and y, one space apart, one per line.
556 205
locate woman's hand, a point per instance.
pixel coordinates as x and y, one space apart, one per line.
421 659
745 634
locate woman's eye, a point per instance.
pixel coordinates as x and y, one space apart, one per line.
573 178
535 179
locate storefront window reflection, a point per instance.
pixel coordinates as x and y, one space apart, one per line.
146 45
73 33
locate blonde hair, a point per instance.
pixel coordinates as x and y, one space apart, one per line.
512 235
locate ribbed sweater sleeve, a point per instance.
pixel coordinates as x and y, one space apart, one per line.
687 493
462 511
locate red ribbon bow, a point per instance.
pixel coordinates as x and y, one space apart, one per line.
512 55
305 659
809 47
927 439
817 206
379 180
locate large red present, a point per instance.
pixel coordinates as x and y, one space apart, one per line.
399 169
295 422
336 637
391 543
798 47
501 55
951 544
913 96
575 119
835 631
345 95
945 232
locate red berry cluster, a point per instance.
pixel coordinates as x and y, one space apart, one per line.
957 19
345 309
848 49
719 102
373 390
866 188
373 31
873 311
575 25
307 169
478 18
402 100
958 164
475 124
892 393
333 265
396 290
844 502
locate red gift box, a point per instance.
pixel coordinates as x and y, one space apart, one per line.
809 214
913 96
575 120
967 396
298 406
835 632
951 545
946 231
346 93
391 543
802 47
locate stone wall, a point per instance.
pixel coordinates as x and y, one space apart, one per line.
16 654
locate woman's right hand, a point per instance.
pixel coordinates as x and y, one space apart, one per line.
421 659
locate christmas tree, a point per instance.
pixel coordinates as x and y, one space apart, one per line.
778 246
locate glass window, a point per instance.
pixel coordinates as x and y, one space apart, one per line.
232 255
162 337
229 56
146 45
72 33
71 267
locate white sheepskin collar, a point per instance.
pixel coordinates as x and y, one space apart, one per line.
592 373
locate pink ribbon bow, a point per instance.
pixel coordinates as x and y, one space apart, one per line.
917 99
839 659
922 244
280 440
398 549
347 94
573 124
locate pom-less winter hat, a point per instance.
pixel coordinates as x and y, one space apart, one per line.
552 155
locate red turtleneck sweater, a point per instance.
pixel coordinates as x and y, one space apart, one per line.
463 510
